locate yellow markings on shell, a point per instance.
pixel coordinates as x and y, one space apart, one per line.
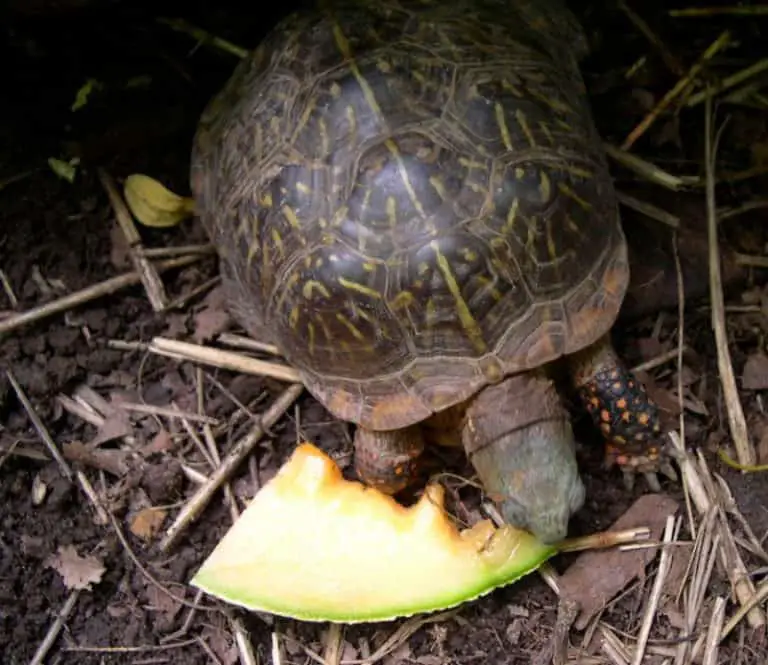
359 288
362 314
509 224
290 215
438 186
531 237
368 266
465 316
351 120
469 164
325 142
487 284
335 90
545 187
266 200
353 329
312 285
304 119
392 211
501 121
383 66
395 152
578 171
346 51
402 300
525 127
278 240
572 225
293 317
555 104
586 205
303 188
469 255
551 248
339 216
510 87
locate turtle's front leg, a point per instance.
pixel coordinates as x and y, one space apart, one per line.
622 409
388 460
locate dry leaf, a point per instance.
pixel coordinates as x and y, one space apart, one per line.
77 572
147 522
755 373
598 575
116 425
111 460
213 318
162 602
162 442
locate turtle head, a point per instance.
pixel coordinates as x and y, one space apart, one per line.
524 454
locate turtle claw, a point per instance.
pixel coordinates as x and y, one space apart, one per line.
653 481
650 477
669 471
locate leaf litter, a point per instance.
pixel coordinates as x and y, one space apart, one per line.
682 603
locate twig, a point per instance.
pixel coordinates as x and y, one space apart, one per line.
729 82
658 587
241 342
661 359
241 450
165 252
153 285
733 10
669 60
277 656
333 641
88 294
180 25
758 597
8 290
244 646
751 261
721 42
744 451
711 649
649 171
224 359
649 210
55 629
151 410
40 428
184 298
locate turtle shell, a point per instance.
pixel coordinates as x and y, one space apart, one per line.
411 200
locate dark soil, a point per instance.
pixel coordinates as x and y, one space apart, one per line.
56 237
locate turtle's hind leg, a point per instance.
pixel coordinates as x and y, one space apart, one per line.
388 460
620 406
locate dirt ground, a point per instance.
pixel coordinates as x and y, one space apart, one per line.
58 236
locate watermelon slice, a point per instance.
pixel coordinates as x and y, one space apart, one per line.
314 546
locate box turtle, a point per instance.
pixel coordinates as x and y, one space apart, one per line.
410 199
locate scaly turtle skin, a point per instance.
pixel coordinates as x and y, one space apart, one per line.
410 199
